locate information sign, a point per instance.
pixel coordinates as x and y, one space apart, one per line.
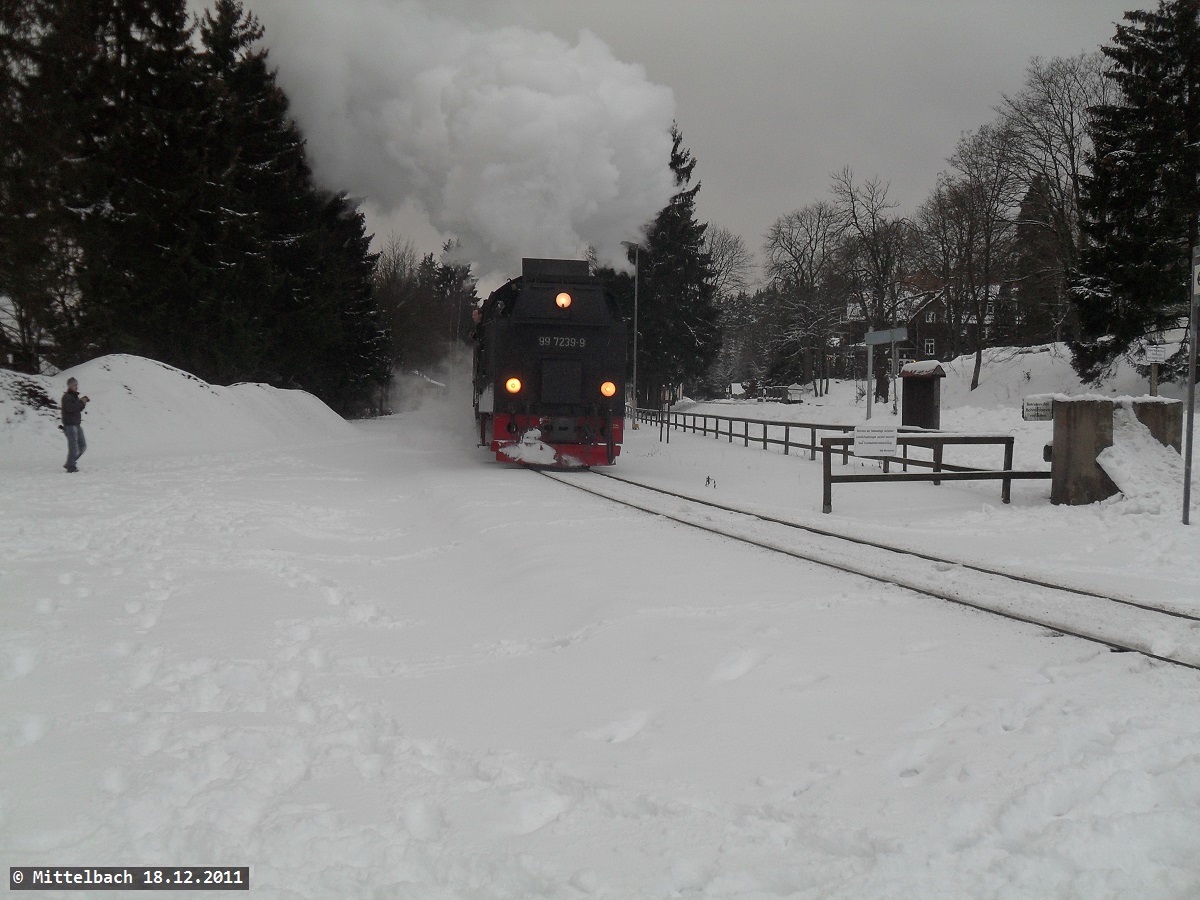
875 440
1038 408
1156 353
890 336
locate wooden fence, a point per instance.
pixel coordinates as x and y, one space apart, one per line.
937 442
808 436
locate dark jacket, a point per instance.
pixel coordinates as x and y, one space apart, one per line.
72 408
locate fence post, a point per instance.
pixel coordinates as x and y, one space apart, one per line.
938 446
787 439
1006 484
827 493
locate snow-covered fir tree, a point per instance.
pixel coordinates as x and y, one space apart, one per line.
1141 201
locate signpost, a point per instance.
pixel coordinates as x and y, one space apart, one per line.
888 336
872 338
1155 354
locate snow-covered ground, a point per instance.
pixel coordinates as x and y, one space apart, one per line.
369 661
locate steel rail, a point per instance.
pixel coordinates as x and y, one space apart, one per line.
906 551
911 585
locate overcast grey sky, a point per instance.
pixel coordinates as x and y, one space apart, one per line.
772 97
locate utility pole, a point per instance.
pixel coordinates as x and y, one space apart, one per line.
1193 304
637 260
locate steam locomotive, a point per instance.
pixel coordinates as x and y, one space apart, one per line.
549 373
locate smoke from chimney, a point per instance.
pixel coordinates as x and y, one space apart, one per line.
513 141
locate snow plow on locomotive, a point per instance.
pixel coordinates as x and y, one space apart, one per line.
549 374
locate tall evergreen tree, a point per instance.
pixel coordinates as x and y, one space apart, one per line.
139 181
678 330
36 251
329 337
18 195
1141 199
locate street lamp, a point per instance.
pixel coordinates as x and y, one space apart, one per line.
637 258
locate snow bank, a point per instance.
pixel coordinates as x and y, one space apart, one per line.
1148 473
1010 373
144 408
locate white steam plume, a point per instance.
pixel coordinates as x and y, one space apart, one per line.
513 141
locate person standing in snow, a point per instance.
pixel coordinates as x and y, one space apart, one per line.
72 423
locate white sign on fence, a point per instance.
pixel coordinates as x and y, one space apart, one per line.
1038 408
875 440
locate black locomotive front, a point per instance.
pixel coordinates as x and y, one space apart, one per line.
550 367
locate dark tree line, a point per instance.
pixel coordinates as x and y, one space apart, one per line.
426 303
156 199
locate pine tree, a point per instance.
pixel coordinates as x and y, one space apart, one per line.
1141 199
39 109
136 177
292 287
331 339
678 329
20 240
235 269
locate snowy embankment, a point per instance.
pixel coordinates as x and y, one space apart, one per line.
369 661
142 408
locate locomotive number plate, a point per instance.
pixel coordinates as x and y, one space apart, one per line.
556 342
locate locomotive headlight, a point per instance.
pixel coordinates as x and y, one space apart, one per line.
563 300
513 385
608 389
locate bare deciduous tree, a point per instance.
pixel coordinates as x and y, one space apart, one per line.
731 262
1047 123
876 249
800 249
989 182
941 246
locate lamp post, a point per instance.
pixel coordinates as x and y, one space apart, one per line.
637 258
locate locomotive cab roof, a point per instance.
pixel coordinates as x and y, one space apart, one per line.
556 271
533 295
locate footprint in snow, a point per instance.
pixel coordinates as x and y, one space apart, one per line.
20 662
621 730
533 809
736 665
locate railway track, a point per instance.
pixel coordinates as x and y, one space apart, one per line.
1124 624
